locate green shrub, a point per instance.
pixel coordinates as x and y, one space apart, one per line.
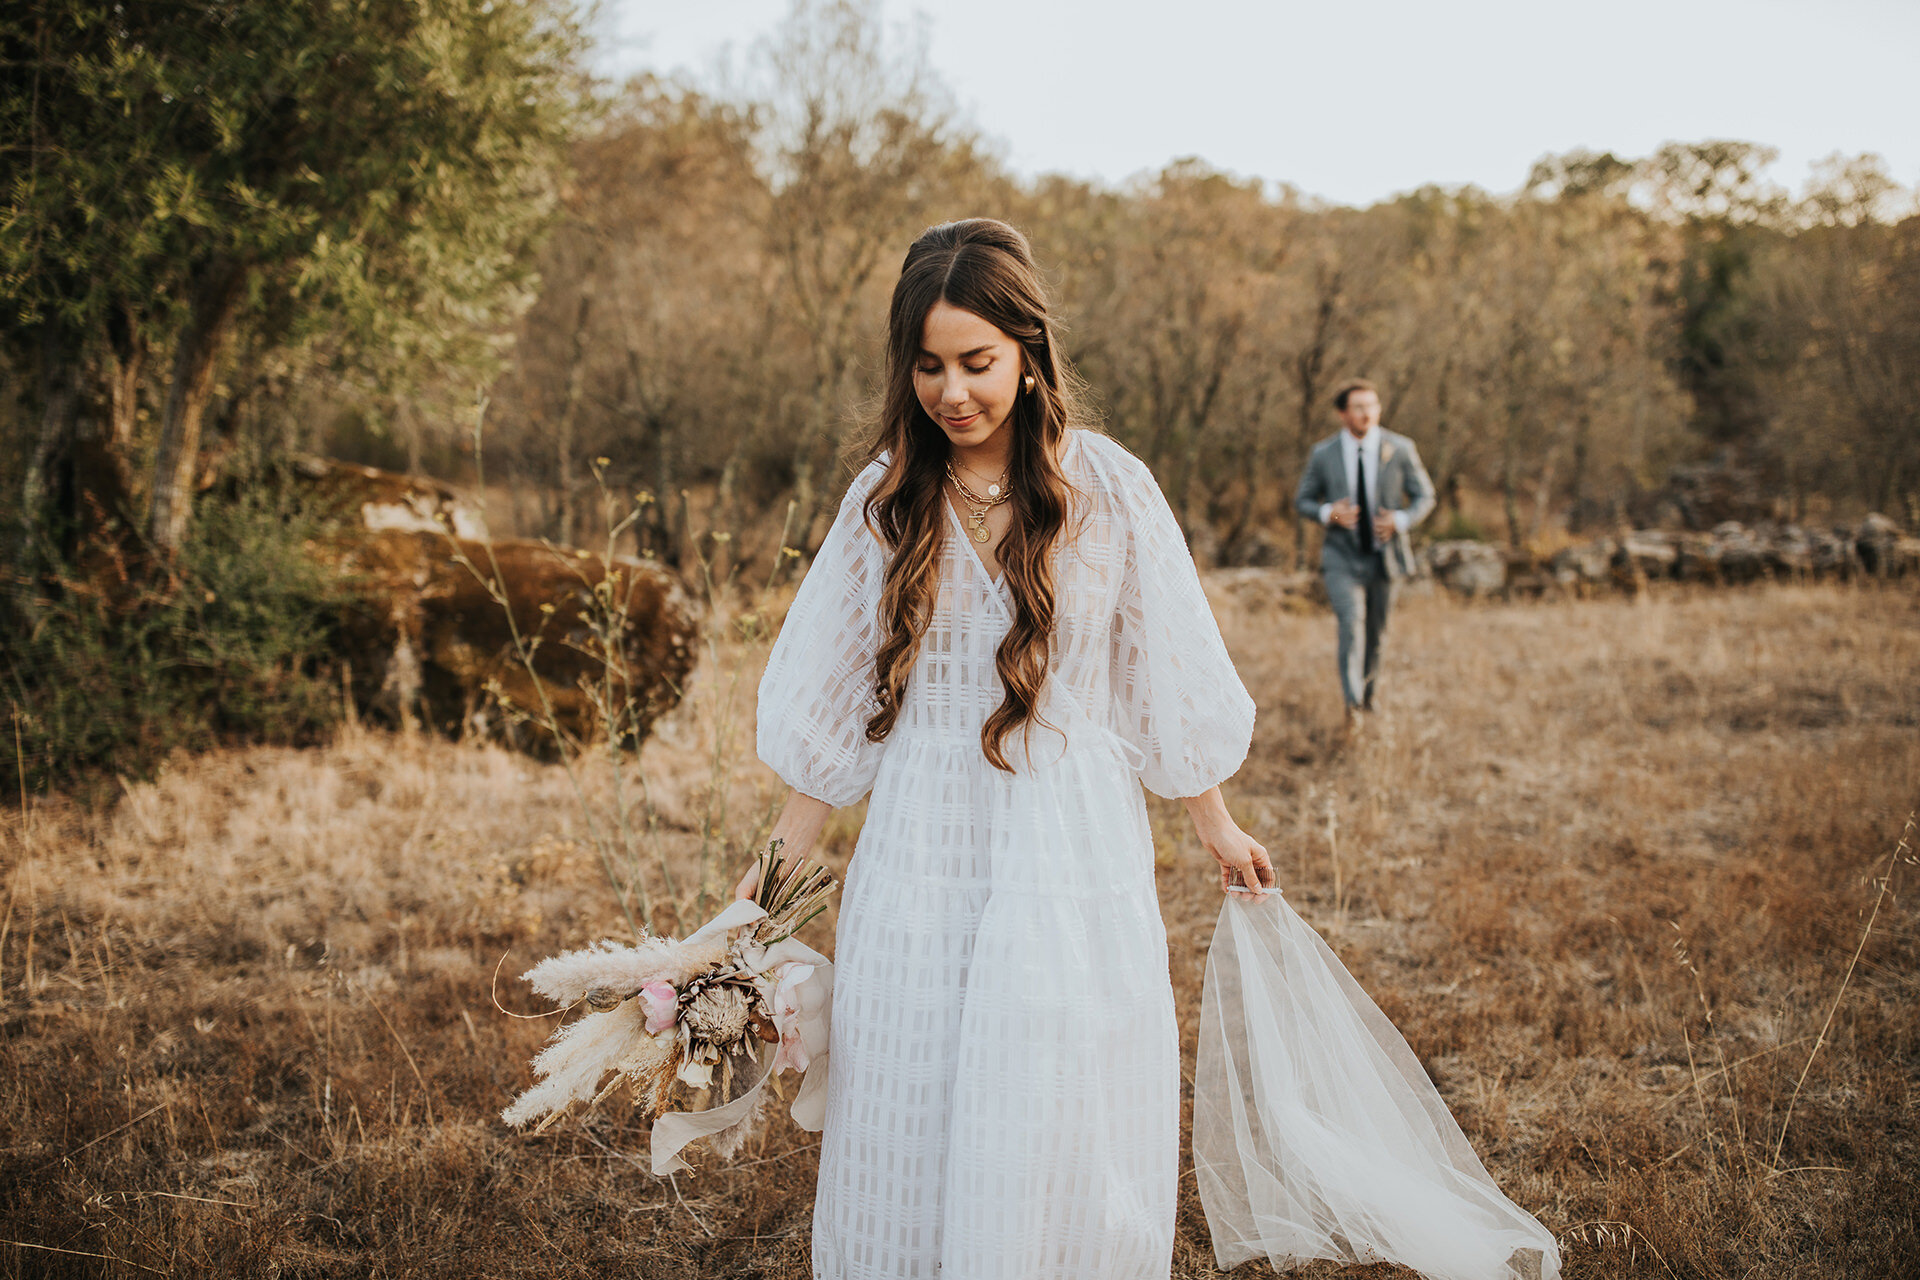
1460 527
101 676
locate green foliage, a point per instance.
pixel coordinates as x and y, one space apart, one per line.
358 184
1461 527
101 677
366 154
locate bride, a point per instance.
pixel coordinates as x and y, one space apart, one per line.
1001 638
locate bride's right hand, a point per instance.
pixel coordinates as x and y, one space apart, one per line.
797 829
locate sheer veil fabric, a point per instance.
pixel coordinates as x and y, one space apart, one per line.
1316 1133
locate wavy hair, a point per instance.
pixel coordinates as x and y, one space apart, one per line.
986 267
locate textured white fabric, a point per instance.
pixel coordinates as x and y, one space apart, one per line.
1316 1133
1003 1092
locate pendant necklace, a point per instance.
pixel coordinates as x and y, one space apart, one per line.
978 506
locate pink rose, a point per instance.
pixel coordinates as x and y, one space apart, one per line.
662 1004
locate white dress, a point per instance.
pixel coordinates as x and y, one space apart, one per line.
1003 1088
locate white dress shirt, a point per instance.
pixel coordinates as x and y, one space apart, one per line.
1350 451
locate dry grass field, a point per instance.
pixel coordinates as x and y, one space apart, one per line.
1607 864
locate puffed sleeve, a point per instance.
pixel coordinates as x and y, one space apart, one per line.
817 692
1176 695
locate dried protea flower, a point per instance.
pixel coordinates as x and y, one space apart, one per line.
718 1015
763 1025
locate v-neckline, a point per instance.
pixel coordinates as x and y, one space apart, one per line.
966 539
997 583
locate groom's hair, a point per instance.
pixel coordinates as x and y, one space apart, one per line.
1347 388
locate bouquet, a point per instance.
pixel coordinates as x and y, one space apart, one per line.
696 1028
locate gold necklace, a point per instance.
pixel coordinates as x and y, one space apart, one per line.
977 506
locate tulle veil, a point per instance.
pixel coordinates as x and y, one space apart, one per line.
1317 1134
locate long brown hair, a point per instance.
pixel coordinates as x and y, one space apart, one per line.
985 267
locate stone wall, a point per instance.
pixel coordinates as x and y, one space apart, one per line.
1731 552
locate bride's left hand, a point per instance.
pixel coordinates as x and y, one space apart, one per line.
1242 859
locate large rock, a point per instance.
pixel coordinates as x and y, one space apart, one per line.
1696 558
1643 555
432 639
377 500
431 634
1468 568
1790 553
1832 555
1741 555
1885 550
1528 576
1797 553
1584 568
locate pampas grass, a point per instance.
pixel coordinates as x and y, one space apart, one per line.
565 979
578 1058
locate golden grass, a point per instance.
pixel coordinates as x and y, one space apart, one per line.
1605 864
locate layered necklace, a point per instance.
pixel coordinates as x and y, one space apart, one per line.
977 504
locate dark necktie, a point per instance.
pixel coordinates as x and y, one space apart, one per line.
1366 508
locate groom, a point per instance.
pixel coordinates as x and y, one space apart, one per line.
1366 485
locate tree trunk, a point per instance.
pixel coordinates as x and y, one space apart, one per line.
818 433
1516 403
655 420
59 405
410 414
1543 492
1256 466
804 502
129 350
1302 450
665 539
569 411
215 298
1309 366
1200 416
1510 480
1579 517
1446 473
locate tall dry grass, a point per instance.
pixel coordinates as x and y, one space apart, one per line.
1607 865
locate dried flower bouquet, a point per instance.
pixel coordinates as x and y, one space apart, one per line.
695 1028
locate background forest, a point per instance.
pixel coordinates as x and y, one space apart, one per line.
214 258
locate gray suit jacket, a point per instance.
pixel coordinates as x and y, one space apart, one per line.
1403 486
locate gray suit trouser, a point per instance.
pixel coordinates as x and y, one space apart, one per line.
1361 591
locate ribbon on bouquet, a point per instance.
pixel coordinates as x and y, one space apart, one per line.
813 1000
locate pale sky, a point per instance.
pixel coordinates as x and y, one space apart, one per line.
1353 100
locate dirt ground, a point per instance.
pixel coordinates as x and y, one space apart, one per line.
1609 866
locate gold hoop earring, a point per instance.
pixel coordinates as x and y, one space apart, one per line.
1029 382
